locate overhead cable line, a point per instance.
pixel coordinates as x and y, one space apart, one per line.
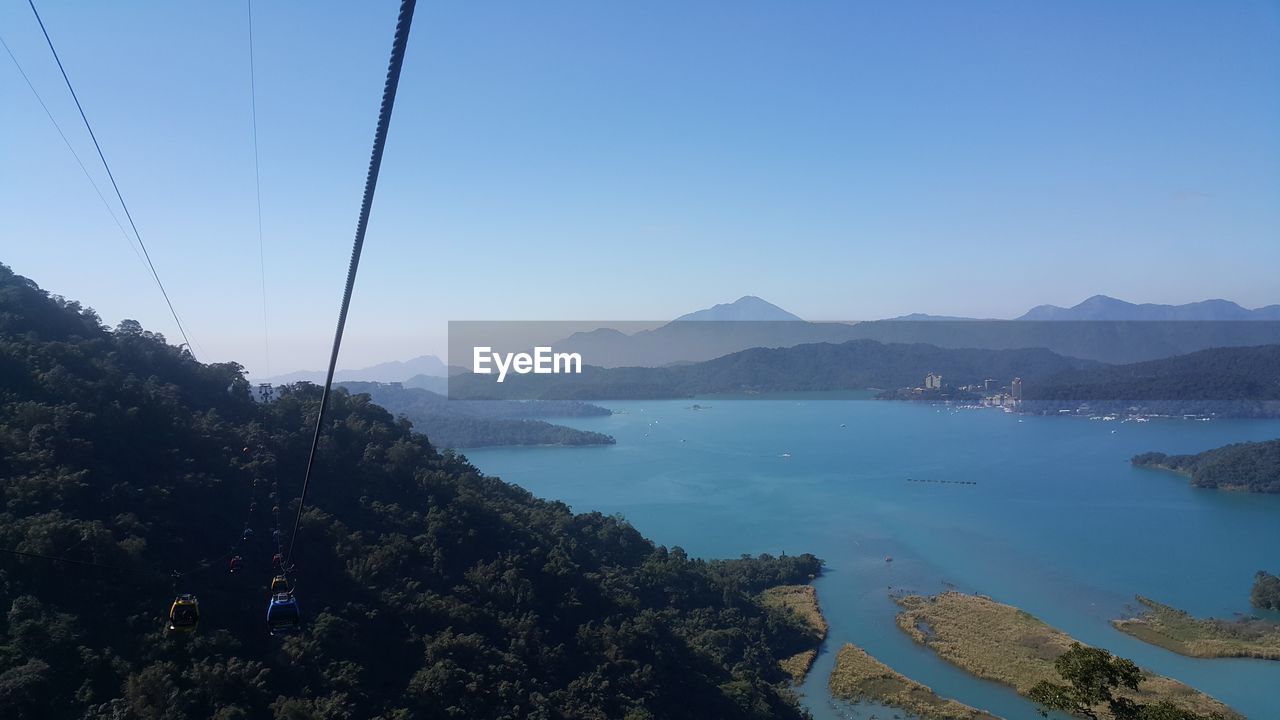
112 177
111 211
54 558
370 185
257 187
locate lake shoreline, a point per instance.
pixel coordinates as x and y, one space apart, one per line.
800 601
858 676
715 484
1005 644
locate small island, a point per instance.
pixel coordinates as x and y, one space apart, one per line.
859 676
1250 466
1175 630
1007 645
484 423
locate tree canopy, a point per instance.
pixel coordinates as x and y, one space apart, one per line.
1266 591
1252 466
429 590
1095 684
1094 681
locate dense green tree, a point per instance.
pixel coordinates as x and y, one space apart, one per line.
429 589
1094 681
1266 591
1220 381
1252 466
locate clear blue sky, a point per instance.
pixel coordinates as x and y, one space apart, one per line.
571 160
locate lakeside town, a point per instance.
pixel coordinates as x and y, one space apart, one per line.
989 393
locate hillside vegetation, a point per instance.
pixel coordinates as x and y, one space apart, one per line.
800 602
1229 381
1265 594
1251 466
428 589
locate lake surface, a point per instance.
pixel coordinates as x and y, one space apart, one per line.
1058 523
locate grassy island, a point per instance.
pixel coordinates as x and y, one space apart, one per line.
800 601
1175 630
859 676
1002 643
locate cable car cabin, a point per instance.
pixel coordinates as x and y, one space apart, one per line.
282 614
184 614
279 584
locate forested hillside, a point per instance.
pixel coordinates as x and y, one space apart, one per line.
428 590
1252 466
1234 381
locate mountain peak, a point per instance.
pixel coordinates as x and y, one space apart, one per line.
1095 300
747 307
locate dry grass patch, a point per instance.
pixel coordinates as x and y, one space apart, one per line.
1002 643
802 602
859 676
1175 630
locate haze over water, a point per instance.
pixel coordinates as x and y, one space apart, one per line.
1058 524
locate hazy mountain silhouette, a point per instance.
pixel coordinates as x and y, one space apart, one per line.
394 371
1108 330
747 307
1101 307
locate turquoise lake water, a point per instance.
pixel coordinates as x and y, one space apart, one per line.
1058 523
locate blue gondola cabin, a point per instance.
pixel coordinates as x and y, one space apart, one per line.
282 614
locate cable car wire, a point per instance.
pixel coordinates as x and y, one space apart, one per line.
112 177
48 113
370 185
257 188
54 558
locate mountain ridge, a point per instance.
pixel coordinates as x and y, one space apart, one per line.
390 371
1103 307
749 308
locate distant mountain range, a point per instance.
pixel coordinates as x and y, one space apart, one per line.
1226 382
1101 333
1101 307
852 365
1107 330
1109 309
394 371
